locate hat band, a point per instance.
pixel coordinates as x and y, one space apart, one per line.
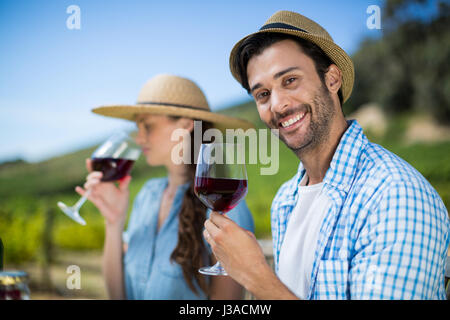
282 26
173 105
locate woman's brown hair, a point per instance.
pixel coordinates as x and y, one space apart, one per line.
191 252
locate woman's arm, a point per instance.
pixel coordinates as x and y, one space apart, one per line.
112 202
112 266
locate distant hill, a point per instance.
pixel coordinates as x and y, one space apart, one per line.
56 174
11 163
247 111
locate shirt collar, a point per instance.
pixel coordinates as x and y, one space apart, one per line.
344 163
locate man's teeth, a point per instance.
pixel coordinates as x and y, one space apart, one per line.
292 120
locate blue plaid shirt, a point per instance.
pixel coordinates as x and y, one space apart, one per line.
386 234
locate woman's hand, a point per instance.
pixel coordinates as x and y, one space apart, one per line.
111 201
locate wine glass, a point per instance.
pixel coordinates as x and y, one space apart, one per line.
220 182
114 158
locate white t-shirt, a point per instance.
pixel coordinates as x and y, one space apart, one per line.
300 241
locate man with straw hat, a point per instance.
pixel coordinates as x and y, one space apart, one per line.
356 221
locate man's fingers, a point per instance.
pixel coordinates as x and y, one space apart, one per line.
211 228
218 219
216 234
215 216
206 235
223 222
209 239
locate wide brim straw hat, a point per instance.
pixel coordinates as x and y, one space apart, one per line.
295 24
172 95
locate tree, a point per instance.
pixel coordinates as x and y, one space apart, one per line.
407 69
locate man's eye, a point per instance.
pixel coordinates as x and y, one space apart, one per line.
290 80
262 95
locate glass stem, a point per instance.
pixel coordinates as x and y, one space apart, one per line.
82 200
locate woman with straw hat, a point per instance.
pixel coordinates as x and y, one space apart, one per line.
163 243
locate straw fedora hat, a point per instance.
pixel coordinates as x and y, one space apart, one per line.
295 24
171 95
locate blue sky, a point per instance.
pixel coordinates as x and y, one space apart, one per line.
51 77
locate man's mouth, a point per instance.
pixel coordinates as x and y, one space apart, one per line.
291 120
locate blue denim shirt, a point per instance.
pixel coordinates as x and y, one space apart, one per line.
149 274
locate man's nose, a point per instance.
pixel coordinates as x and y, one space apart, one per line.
279 101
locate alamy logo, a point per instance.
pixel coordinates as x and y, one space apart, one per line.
74 279
258 147
374 20
74 20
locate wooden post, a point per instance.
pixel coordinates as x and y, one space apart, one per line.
1 254
47 248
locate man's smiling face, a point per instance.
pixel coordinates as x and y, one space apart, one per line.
290 95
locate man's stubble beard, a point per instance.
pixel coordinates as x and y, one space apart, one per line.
319 126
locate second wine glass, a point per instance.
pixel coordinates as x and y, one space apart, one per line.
114 158
220 182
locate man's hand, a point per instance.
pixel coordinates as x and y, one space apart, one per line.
242 257
235 248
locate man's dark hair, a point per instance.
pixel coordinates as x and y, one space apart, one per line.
257 43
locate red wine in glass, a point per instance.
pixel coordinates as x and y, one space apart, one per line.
10 294
220 194
220 183
114 158
112 168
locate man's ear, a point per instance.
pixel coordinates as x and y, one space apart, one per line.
333 78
